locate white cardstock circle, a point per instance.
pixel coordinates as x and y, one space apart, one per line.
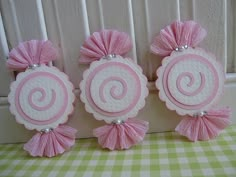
113 89
41 98
190 81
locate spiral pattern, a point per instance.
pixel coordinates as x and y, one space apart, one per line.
41 97
190 82
113 89
113 93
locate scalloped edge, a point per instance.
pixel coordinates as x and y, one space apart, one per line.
98 116
69 111
159 73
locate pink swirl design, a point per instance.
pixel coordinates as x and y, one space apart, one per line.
191 77
112 92
32 105
125 87
43 96
169 91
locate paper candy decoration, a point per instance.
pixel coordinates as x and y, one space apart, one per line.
113 89
190 80
41 98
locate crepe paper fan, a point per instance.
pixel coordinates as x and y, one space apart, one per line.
123 135
101 44
51 143
30 53
206 126
177 35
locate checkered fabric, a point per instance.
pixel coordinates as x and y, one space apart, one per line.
160 154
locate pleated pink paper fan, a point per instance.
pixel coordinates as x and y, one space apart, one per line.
204 127
30 53
176 35
51 143
103 43
121 136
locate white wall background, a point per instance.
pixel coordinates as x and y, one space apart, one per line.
67 23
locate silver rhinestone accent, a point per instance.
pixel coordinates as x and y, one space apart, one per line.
109 56
33 66
118 121
46 130
186 46
199 114
202 113
181 48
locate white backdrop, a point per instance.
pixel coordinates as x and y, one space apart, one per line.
68 22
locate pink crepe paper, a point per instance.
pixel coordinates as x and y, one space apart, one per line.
178 34
204 127
51 143
31 52
101 44
121 136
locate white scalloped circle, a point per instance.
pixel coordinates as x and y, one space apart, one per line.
190 81
41 98
113 89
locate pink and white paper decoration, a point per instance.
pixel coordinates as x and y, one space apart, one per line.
113 89
190 80
41 98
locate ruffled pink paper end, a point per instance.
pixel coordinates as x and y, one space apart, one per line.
121 136
177 35
52 143
106 42
31 52
204 127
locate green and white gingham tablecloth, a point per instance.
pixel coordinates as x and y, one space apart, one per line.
160 154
